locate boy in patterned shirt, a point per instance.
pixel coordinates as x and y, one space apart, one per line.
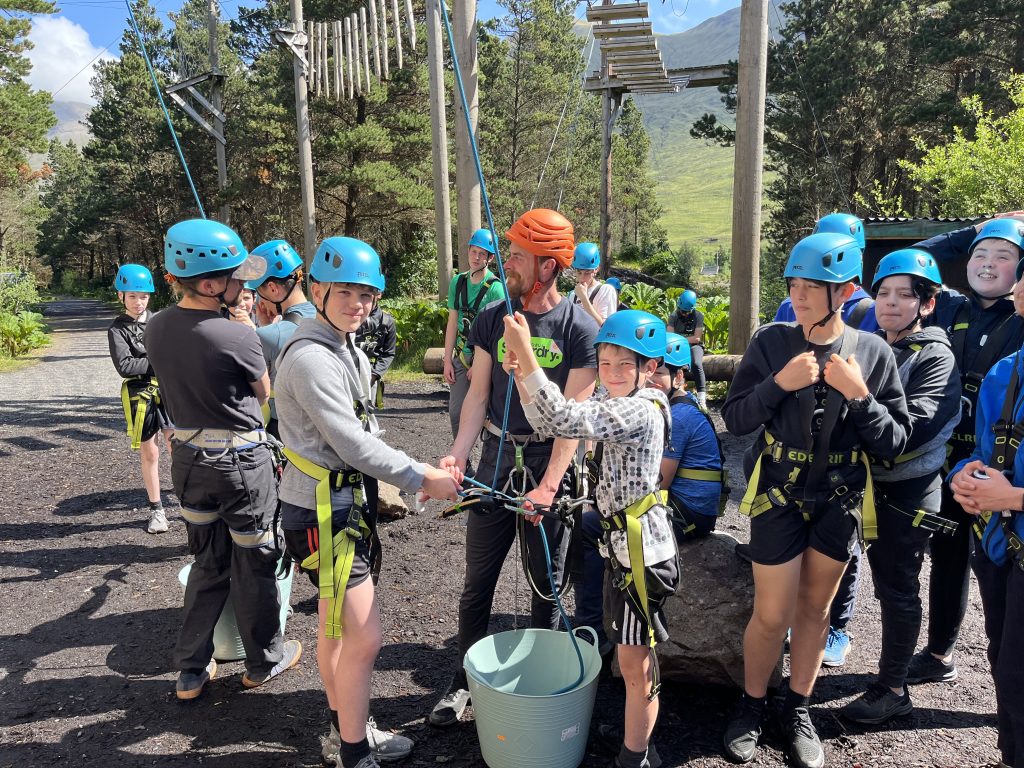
632 424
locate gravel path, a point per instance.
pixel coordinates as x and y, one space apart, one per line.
91 605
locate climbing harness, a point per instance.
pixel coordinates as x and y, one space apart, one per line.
333 571
815 462
991 346
704 474
142 400
467 313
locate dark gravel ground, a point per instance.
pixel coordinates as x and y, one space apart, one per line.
91 605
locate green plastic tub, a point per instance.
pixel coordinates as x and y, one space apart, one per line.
519 720
227 645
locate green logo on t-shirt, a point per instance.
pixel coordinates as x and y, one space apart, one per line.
547 352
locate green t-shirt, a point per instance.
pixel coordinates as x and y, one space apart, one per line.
470 301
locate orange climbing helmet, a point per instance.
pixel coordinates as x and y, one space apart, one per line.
546 234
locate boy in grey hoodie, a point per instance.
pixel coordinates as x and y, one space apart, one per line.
328 492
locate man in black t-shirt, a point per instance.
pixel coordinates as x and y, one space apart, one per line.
213 381
563 342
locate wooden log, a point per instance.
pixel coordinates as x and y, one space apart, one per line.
348 57
364 34
339 58
310 57
386 73
398 31
356 53
375 36
324 64
411 23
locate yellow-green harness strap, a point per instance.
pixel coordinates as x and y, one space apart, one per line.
868 514
136 421
332 572
708 475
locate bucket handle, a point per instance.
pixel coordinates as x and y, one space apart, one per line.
590 630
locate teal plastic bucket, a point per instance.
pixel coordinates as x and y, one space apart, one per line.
519 720
227 645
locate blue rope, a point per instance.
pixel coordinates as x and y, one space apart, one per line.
163 106
490 218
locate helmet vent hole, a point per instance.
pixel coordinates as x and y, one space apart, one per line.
180 264
336 263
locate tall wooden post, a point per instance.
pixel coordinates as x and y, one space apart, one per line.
217 85
467 186
439 136
745 286
305 144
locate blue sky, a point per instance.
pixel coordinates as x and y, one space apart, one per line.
67 42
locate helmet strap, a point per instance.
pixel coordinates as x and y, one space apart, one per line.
322 311
538 286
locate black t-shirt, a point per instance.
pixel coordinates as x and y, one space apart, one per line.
822 354
205 365
687 323
563 339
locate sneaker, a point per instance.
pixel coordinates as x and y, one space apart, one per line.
367 762
804 746
837 648
291 653
877 705
743 731
925 668
610 738
157 521
190 684
449 709
386 746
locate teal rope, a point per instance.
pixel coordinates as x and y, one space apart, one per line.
163 106
490 218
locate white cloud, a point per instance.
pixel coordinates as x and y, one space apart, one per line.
62 48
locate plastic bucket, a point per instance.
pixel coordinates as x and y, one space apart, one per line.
227 645
519 721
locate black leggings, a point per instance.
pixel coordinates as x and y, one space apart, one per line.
950 578
697 367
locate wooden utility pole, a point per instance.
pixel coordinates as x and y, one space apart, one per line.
467 186
296 41
611 100
217 82
439 135
745 286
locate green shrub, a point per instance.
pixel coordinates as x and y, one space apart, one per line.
17 292
647 298
419 325
716 323
663 265
21 333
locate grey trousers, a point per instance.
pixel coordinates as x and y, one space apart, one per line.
237 495
457 395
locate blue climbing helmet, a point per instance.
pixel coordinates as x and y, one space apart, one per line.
842 224
634 329
586 256
483 238
347 260
677 351
907 261
282 261
615 283
826 257
1010 230
687 301
200 246
133 278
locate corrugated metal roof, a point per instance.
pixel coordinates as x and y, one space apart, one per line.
939 219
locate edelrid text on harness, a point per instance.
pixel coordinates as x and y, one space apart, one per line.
334 571
137 404
816 464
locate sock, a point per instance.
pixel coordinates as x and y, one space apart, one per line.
757 703
351 754
334 719
795 701
630 759
155 505
460 681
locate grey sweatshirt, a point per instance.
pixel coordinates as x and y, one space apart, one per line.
319 378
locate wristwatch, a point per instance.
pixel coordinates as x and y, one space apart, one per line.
860 403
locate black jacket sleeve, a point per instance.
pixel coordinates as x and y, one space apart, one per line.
754 397
933 394
126 360
884 424
949 246
387 343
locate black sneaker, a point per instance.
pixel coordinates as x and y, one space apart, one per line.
743 731
450 708
610 738
804 746
877 705
925 668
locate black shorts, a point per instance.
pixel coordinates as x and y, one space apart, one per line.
624 624
779 534
300 544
